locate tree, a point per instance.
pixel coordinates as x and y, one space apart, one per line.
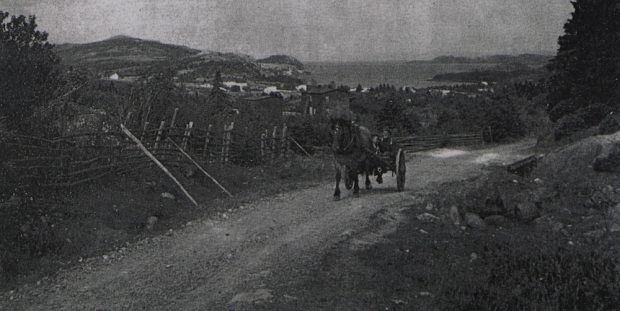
218 99
359 88
586 69
29 69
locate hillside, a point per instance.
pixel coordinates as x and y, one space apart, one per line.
282 59
525 59
133 57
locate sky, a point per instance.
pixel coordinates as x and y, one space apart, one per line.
313 30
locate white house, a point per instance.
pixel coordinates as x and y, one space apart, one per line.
114 77
230 84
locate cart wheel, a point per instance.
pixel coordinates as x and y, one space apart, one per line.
348 181
401 170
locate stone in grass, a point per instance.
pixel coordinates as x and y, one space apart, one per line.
474 221
527 211
151 222
455 215
260 295
427 217
168 195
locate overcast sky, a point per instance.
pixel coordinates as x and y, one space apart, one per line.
335 30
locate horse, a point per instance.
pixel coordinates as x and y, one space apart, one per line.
352 147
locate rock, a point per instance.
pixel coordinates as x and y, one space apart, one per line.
474 221
495 220
427 217
259 295
473 257
527 211
190 172
151 221
168 195
398 302
455 216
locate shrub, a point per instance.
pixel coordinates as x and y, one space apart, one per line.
610 124
568 126
503 119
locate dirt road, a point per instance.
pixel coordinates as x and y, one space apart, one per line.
226 264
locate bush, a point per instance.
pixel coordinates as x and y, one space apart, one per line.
568 125
310 132
503 119
610 124
537 277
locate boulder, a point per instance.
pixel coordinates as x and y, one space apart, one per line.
151 221
576 161
455 216
527 211
474 221
427 217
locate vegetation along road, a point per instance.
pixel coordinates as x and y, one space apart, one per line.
231 263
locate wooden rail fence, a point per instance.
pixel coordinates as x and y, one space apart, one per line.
76 159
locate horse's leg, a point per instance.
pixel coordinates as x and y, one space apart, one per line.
337 192
368 184
356 186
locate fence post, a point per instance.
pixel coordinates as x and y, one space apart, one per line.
229 141
274 144
188 132
146 126
205 154
263 136
283 142
158 138
174 117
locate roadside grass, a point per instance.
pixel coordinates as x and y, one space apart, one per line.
58 229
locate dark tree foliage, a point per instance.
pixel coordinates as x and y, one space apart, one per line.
219 103
28 69
586 69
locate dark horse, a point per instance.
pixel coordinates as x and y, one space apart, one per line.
352 148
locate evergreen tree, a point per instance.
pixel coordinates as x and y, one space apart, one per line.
359 88
218 99
586 70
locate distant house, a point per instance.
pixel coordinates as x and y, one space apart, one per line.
266 109
114 77
322 100
236 86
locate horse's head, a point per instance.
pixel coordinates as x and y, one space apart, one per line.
342 137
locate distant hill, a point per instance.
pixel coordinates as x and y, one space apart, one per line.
525 59
122 48
282 59
135 57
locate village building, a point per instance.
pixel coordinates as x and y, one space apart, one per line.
322 100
